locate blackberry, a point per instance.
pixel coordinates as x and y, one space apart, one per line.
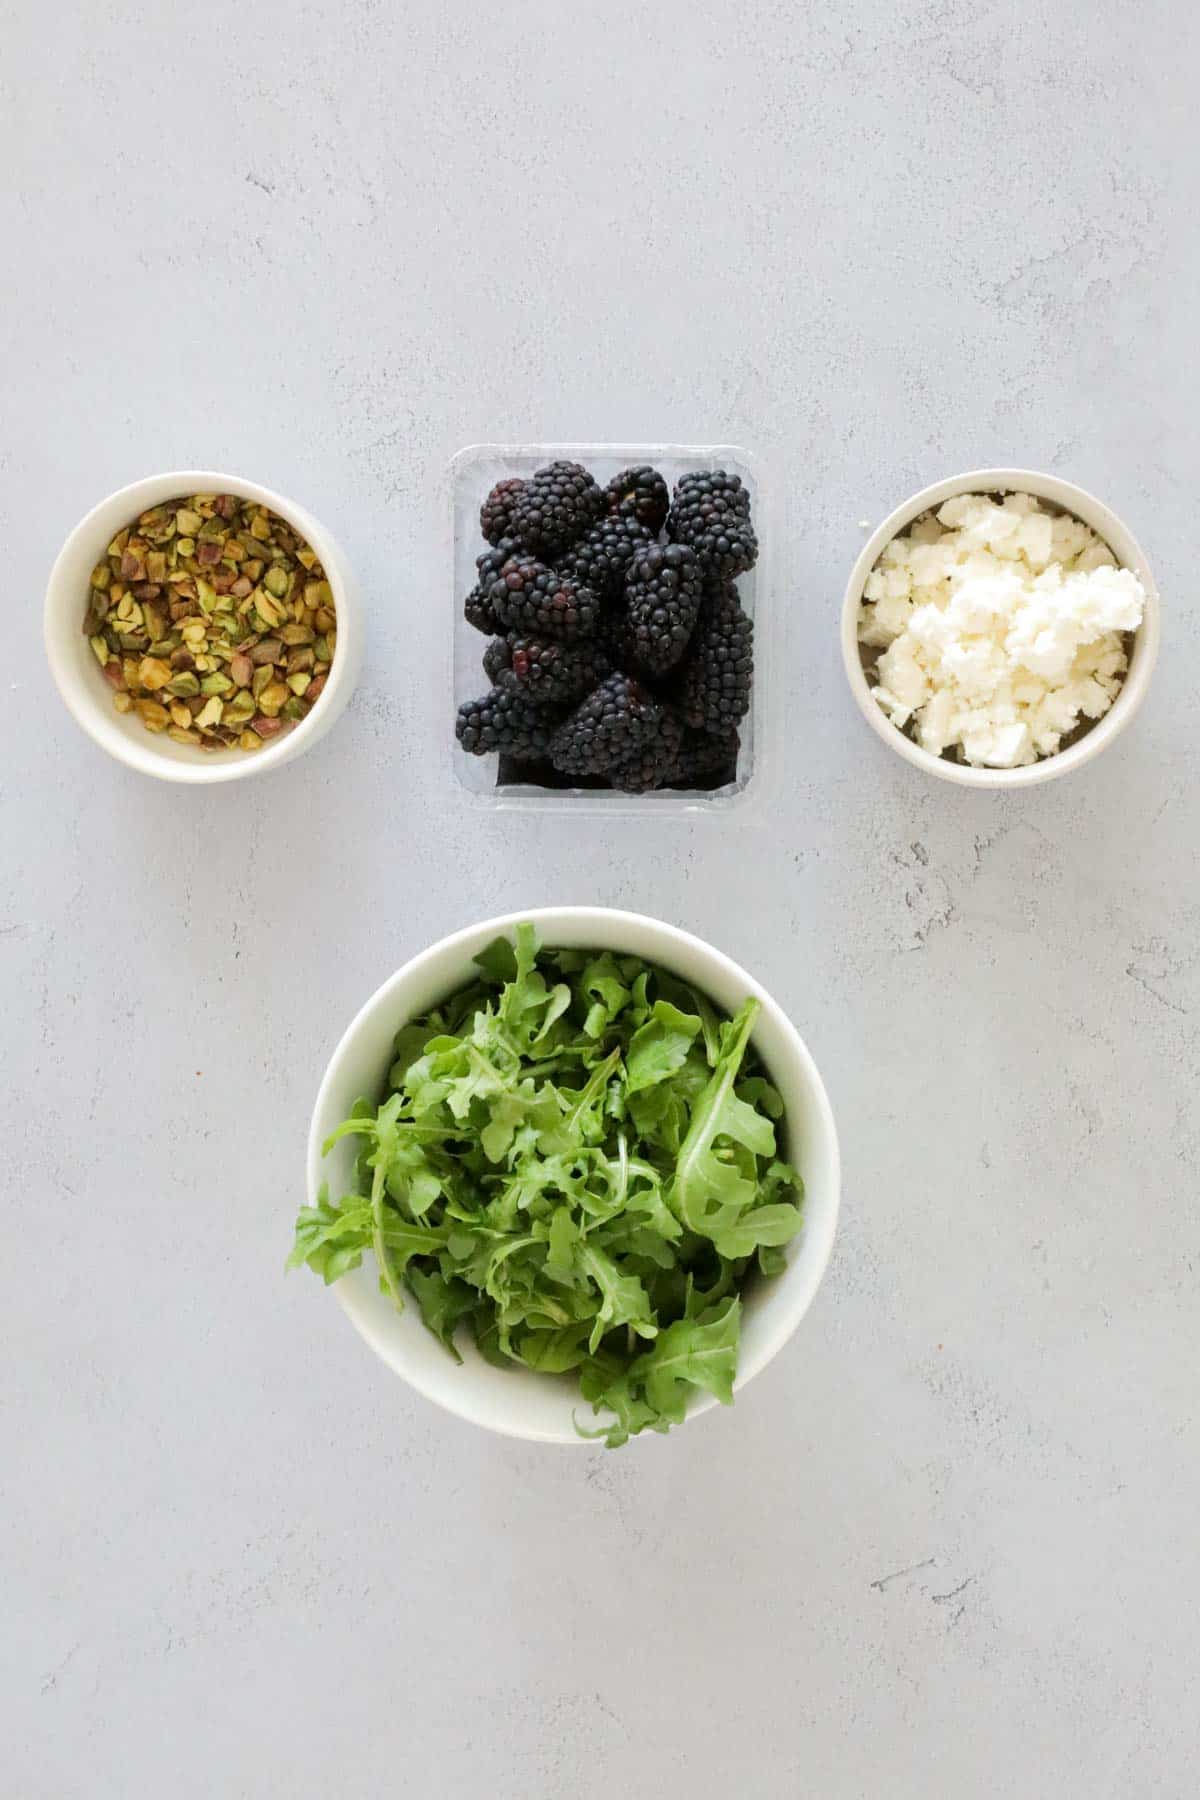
653 763
507 721
619 729
702 756
720 664
603 554
641 494
479 612
478 606
548 671
496 662
528 597
495 515
555 507
663 591
711 512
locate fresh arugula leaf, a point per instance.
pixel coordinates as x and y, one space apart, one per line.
498 961
655 1388
659 1047
715 1183
602 983
329 1238
443 1301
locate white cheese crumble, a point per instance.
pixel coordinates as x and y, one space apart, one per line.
1000 628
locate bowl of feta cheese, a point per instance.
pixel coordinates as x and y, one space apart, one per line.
1000 628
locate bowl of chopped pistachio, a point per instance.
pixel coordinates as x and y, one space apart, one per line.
202 628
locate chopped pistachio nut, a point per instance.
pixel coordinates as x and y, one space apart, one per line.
207 613
239 709
153 716
272 698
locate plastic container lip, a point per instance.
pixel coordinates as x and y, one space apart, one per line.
470 474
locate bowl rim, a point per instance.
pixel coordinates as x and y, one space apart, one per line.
85 704
1107 524
806 1271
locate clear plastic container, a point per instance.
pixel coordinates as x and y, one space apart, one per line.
473 472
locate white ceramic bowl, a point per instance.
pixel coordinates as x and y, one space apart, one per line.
1124 547
518 1402
90 698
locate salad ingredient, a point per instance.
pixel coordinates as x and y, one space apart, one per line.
554 507
575 1161
212 620
1002 626
528 597
495 515
620 731
663 589
720 667
711 512
505 720
548 671
613 599
478 608
642 494
602 555
703 753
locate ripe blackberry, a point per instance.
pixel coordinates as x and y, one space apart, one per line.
539 602
653 763
619 727
719 668
496 662
495 515
478 606
711 512
548 671
555 507
479 612
507 721
663 591
702 756
641 493
603 554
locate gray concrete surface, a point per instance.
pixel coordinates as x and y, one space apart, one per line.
947 1544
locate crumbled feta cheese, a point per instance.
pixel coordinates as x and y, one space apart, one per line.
1000 627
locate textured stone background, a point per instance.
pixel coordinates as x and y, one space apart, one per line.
947 1544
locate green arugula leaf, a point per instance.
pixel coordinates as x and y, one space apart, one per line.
714 1182
656 1387
498 960
660 1046
442 1301
329 1238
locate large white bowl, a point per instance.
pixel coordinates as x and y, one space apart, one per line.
518 1402
1124 547
89 697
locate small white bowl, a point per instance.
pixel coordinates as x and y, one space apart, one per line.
1124 547
518 1402
90 698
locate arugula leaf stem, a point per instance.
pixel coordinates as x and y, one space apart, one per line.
382 1257
587 1094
